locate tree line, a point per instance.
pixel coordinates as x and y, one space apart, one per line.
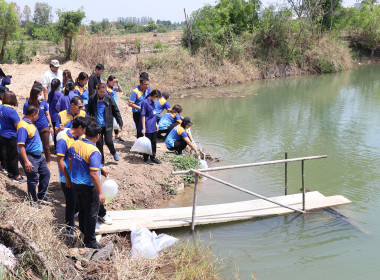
236 29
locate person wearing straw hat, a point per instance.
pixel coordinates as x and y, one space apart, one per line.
53 73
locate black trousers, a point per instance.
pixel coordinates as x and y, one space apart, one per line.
54 137
179 146
167 131
71 200
88 206
153 140
107 135
137 119
102 211
9 155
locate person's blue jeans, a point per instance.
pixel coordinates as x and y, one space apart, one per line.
40 175
71 200
88 206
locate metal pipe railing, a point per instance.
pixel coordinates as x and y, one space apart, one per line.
251 164
286 160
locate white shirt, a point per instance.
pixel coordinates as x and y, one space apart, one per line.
49 76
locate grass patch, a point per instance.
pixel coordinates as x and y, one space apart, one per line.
182 162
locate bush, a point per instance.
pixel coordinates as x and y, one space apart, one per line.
183 162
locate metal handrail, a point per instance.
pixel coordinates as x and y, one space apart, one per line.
286 160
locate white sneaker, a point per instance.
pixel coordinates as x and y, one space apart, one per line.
97 227
106 219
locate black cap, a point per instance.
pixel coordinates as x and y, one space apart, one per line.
187 120
3 90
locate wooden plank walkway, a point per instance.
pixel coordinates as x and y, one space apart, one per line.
219 213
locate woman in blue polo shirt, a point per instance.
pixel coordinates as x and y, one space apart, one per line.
8 135
180 137
43 123
169 121
68 94
81 88
54 95
113 87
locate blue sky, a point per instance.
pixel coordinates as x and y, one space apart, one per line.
157 9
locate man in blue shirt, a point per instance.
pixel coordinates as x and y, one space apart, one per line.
79 125
149 125
85 165
31 158
138 95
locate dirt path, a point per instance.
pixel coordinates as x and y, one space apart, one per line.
140 185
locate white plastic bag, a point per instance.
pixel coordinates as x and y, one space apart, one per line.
203 164
133 126
110 190
147 243
51 141
142 145
115 125
61 133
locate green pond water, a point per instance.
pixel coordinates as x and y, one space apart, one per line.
336 115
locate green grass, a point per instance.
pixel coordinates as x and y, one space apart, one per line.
182 162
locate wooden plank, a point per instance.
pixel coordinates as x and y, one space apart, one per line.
208 214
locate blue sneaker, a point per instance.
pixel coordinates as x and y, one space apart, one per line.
116 157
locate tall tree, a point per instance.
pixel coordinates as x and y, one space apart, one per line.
26 15
8 25
68 26
42 13
17 11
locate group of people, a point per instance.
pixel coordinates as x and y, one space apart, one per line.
86 111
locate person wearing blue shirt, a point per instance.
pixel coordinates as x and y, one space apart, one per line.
63 146
68 94
85 165
138 95
149 125
66 117
43 122
9 121
162 104
30 155
113 87
53 97
179 137
81 88
169 121
4 79
3 90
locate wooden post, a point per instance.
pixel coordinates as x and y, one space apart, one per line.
286 174
194 201
303 185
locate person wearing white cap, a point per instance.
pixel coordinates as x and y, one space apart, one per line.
53 73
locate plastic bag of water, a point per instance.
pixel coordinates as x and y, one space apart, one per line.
110 190
142 145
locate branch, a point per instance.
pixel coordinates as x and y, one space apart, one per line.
33 246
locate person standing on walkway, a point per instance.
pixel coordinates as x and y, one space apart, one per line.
102 107
31 158
63 146
94 79
149 124
53 73
43 122
84 159
138 95
9 121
